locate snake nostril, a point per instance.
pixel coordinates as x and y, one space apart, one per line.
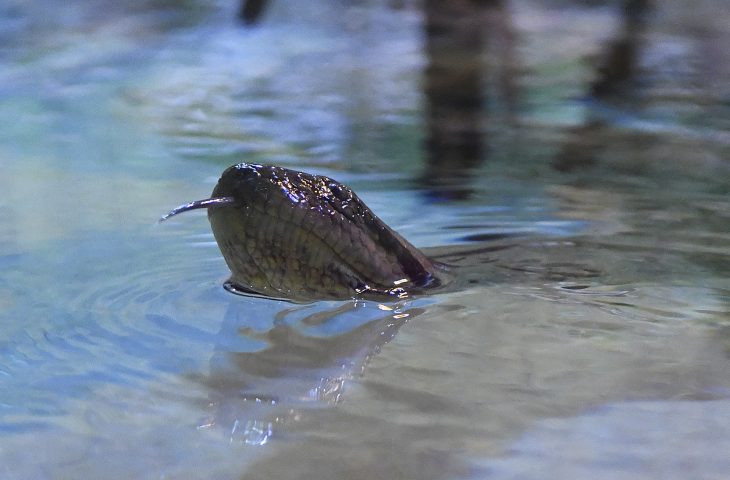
245 171
245 178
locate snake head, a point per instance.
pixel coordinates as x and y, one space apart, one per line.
290 234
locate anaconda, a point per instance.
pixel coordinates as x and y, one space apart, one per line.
290 234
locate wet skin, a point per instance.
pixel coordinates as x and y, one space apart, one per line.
290 234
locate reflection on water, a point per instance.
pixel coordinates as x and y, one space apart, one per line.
457 34
589 309
308 354
251 10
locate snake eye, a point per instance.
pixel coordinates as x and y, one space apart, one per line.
338 191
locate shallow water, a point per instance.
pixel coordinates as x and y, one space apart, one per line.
586 333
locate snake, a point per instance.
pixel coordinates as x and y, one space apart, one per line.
293 235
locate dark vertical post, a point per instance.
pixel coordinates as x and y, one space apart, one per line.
250 11
458 34
614 84
454 93
621 58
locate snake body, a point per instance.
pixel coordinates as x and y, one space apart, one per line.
290 234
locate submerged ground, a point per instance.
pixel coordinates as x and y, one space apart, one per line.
584 211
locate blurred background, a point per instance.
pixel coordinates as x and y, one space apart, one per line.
569 159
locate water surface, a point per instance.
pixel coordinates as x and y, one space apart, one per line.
586 333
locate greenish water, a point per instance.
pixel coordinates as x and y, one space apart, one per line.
588 330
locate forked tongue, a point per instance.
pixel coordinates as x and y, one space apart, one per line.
207 203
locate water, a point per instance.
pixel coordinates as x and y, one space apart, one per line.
586 334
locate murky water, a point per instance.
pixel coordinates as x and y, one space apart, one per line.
586 333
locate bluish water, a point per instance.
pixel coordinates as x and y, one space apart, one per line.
586 333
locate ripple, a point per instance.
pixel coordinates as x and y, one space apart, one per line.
144 311
136 313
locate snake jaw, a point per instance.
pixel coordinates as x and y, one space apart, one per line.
215 202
